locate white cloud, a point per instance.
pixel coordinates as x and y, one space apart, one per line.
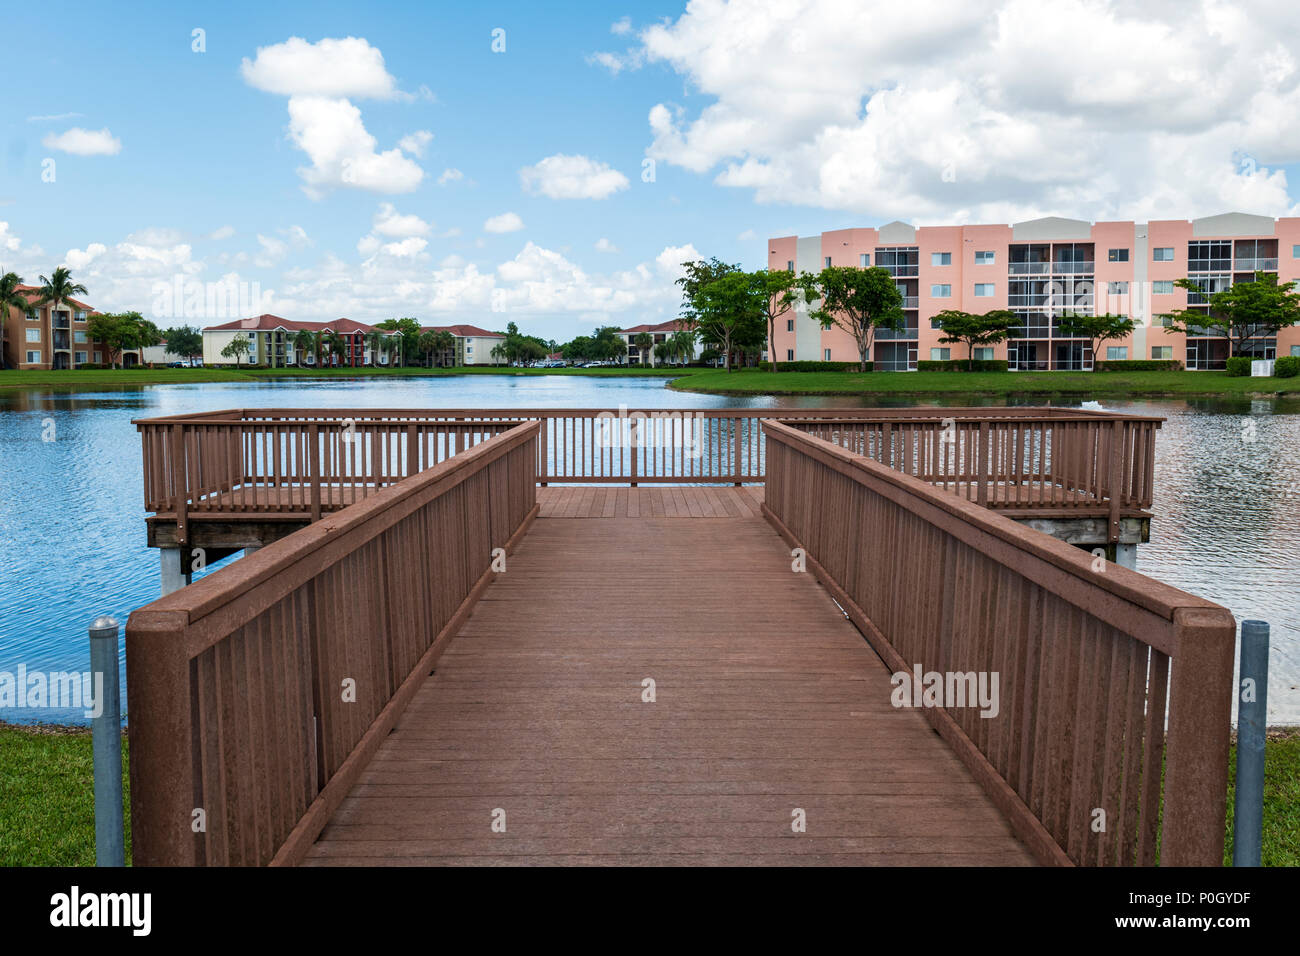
223 232
8 241
747 235
79 259
84 142
670 260
506 222
604 245
389 222
55 117
572 177
406 248
332 135
450 176
944 111
336 68
621 26
415 143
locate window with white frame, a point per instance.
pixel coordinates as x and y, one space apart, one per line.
939 354
827 354
1164 352
828 262
941 258
1163 254
1118 255
33 358
983 290
99 358
32 316
789 355
1116 353
864 259
81 358
789 325
789 265
1162 287
80 316
984 353
986 258
1295 252
941 291
33 335
79 337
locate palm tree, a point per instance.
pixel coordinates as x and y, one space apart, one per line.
445 342
338 345
684 344
58 288
377 342
303 342
10 298
498 353
644 341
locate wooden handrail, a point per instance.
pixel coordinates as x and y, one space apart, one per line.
1088 656
258 692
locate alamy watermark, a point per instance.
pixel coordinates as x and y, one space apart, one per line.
63 690
185 298
624 429
946 689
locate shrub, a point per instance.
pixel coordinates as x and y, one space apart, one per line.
1287 367
808 366
1239 365
1140 365
961 365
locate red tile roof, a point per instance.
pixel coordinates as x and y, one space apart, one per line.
673 325
269 323
462 330
34 291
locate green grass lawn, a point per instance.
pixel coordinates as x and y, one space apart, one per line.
1080 385
47 798
1000 384
47 802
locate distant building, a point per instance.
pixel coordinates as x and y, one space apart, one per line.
36 339
473 345
659 333
1039 270
272 342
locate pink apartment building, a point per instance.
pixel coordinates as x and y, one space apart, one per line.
1040 270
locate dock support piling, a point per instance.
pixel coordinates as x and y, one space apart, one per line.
110 844
1252 719
175 573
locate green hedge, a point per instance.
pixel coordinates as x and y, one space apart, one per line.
1288 366
961 365
799 366
1239 365
1139 365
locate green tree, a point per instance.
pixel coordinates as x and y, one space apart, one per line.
122 332
305 342
498 353
407 346
1096 329
1242 313
683 343
857 300
378 343
644 342
731 311
237 348
988 328
185 341
338 347
781 293
10 298
58 288
444 343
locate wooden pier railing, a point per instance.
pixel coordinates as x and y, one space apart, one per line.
1048 461
259 692
1106 677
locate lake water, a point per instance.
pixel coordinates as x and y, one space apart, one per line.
72 537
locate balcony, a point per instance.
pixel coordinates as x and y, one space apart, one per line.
1074 268
911 301
1027 268
1255 265
903 270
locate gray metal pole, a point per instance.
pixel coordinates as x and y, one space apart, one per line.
1252 719
110 844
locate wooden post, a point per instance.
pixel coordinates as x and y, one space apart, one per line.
314 464
1113 479
982 453
180 485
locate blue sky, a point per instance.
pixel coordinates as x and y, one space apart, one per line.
762 119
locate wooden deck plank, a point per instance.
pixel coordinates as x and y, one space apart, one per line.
762 705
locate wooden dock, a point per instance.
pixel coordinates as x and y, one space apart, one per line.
767 700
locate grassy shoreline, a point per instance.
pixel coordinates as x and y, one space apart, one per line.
47 802
743 382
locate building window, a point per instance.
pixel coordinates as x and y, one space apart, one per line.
1164 352
80 316
99 358
1117 288
33 335
983 289
935 323
941 258
1118 255
827 353
1162 287
984 353
939 355
1295 252
81 358
789 355
32 316
1116 353
864 259
789 265
1163 254
941 291
985 258
789 325
79 337
828 262
33 358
